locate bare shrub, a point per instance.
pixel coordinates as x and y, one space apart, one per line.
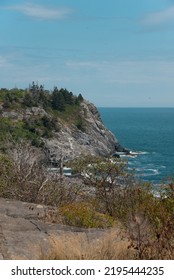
25 177
6 175
151 225
148 243
59 191
141 235
104 194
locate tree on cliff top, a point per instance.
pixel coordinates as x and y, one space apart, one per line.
57 100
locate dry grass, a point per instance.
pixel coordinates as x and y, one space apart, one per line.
137 243
111 245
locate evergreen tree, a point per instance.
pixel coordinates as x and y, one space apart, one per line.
68 96
58 101
79 99
27 100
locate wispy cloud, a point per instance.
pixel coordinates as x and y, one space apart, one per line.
42 12
127 72
159 18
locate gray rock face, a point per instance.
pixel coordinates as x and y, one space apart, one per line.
12 115
24 114
70 141
24 236
35 111
95 139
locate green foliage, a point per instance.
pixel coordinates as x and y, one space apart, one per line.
40 127
68 96
148 219
58 104
6 173
79 99
80 124
5 127
103 200
57 100
17 130
50 123
83 214
61 98
36 95
8 129
28 100
31 129
11 98
99 170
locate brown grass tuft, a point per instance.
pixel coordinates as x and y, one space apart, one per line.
111 245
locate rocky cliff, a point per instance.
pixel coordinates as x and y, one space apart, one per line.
68 134
93 138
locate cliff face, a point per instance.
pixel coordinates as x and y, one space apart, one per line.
82 132
94 138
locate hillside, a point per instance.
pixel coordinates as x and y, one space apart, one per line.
56 121
56 213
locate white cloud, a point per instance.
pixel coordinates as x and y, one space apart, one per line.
159 18
42 12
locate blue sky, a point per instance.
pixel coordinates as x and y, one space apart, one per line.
117 53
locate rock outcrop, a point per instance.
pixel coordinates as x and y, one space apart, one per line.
94 139
86 134
25 235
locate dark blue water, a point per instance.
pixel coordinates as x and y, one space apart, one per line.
149 131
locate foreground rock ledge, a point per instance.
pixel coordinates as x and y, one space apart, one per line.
23 235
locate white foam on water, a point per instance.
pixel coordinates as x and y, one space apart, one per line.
130 163
163 166
129 156
143 167
153 172
140 152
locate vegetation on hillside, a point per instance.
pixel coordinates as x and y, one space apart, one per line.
104 196
37 96
58 104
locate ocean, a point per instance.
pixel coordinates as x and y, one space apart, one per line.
148 131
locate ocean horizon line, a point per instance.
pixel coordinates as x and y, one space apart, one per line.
105 107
